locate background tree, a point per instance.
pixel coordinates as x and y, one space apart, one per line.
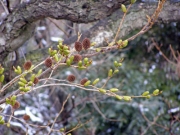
140 72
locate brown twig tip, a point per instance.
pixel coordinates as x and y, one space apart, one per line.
83 81
26 117
27 65
77 58
16 105
78 46
48 62
36 80
71 78
86 43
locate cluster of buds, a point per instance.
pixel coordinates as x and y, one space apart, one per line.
1 74
64 50
12 101
125 98
111 72
155 93
122 44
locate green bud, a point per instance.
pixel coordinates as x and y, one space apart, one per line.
145 93
102 91
23 80
98 49
148 96
1 69
120 64
123 8
56 57
116 71
86 60
80 63
27 89
95 81
125 43
71 58
39 72
156 92
116 64
8 125
127 98
21 88
119 97
61 129
21 84
68 62
133 1
87 83
66 52
13 97
19 70
2 122
30 83
32 77
93 43
1 78
114 90
8 101
119 42
110 73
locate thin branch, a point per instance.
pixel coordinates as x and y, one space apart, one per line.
59 113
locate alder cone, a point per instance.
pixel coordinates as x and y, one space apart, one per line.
71 78
16 105
36 80
83 81
86 43
78 46
27 65
48 62
77 58
26 117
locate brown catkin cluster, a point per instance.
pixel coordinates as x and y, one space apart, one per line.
26 117
71 78
16 105
27 65
48 62
77 58
86 43
36 80
83 81
78 46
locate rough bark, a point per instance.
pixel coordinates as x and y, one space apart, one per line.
13 29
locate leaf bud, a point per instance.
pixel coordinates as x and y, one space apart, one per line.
119 97
1 78
114 90
145 93
95 81
156 92
110 73
87 83
23 80
123 8
80 63
68 62
102 91
21 84
127 98
116 71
